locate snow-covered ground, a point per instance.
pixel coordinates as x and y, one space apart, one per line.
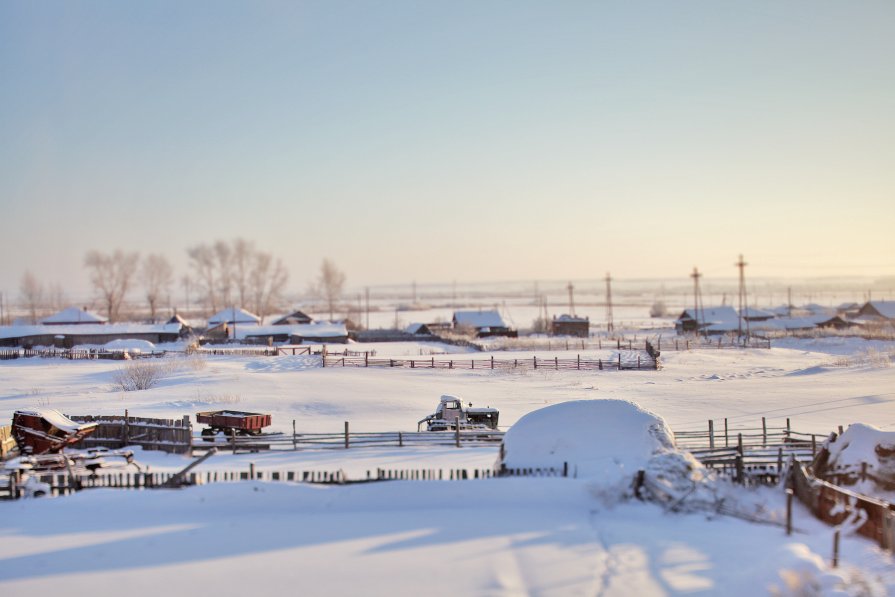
548 536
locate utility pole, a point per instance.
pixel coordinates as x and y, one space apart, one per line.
571 290
367 295
743 302
696 275
610 326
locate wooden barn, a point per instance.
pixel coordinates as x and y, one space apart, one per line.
570 325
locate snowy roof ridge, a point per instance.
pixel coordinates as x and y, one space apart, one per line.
73 315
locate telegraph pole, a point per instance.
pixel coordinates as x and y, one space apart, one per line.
743 302
367 296
571 290
610 326
696 275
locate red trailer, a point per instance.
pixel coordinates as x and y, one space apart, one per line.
232 421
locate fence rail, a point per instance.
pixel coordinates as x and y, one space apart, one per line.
624 362
115 432
61 483
345 440
836 505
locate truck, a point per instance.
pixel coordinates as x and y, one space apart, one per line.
450 415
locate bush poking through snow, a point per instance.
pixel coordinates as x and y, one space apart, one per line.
140 375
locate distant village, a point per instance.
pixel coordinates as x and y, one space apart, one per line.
74 326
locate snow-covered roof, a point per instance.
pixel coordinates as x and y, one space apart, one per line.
89 329
57 420
884 308
417 328
233 315
318 329
713 316
565 318
753 313
479 319
73 315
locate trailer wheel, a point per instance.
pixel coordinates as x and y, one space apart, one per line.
208 434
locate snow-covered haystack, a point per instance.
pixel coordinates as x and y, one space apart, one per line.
607 442
861 445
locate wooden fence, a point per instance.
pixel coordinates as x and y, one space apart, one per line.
624 362
76 355
344 440
116 431
7 442
621 343
749 455
836 505
62 483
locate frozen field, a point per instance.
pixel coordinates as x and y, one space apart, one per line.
488 537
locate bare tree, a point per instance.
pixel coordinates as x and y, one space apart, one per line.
112 275
56 298
236 270
157 275
267 281
31 292
203 263
330 283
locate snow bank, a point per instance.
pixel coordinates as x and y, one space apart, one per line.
607 440
864 443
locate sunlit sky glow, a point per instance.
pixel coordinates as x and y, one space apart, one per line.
439 141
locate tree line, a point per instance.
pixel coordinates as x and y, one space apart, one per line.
222 274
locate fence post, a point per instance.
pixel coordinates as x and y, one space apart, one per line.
789 511
126 429
233 439
836 549
726 437
400 440
346 435
579 362
492 361
764 432
780 462
458 434
366 358
188 431
294 438
556 363
619 361
535 362
813 445
600 364
711 434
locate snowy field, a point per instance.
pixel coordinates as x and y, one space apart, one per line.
477 537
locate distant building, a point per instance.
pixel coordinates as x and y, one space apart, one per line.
293 318
881 311
751 314
483 323
418 329
570 325
323 332
68 336
233 315
73 316
711 320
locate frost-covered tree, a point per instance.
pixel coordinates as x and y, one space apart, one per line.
31 294
112 275
157 275
330 284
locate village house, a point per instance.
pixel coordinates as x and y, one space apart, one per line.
482 323
877 311
73 316
570 325
293 318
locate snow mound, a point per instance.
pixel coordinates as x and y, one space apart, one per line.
608 440
862 443
802 572
284 363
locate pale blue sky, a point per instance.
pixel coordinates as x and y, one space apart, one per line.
444 141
